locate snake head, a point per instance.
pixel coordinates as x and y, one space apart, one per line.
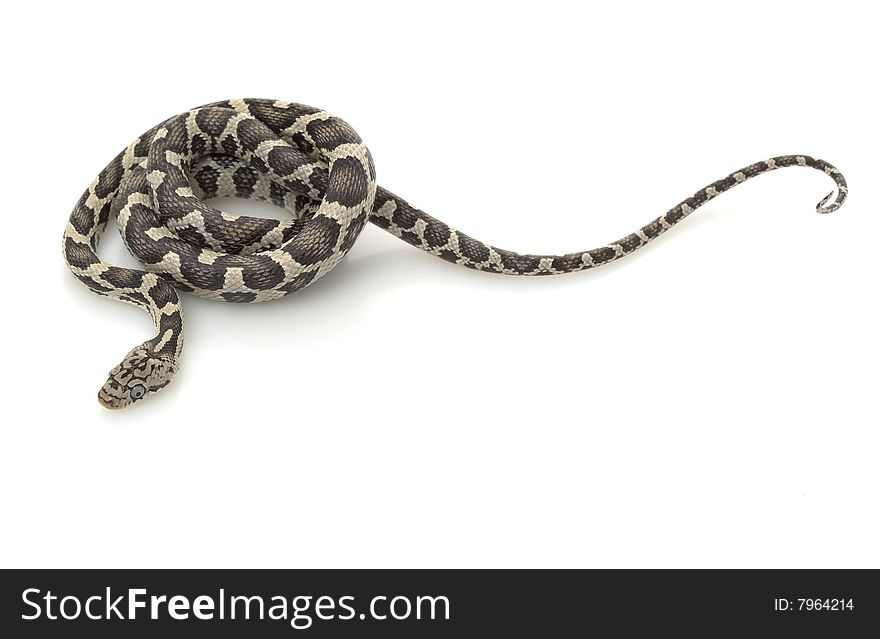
140 374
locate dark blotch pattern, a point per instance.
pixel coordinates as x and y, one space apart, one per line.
123 277
202 276
567 263
245 231
284 160
262 273
517 262
303 143
244 179
226 161
449 256
675 215
351 233
206 177
213 121
277 193
630 243
278 118
316 242
110 177
135 297
602 255
348 183
192 236
79 255
97 287
252 133
653 229
299 281
82 218
436 235
330 133
229 145
472 249
198 144
410 237
163 293
239 298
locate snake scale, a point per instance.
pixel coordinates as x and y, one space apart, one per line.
313 165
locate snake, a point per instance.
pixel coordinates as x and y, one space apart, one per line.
316 167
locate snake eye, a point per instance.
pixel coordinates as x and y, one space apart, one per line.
137 392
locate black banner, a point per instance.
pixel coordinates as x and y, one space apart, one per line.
437 603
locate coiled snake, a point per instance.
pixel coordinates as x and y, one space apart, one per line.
306 161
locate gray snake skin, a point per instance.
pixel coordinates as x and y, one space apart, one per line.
313 165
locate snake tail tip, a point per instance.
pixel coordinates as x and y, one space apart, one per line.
824 208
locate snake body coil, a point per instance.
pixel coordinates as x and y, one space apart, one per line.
306 161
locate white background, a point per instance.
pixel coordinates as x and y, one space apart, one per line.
709 401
